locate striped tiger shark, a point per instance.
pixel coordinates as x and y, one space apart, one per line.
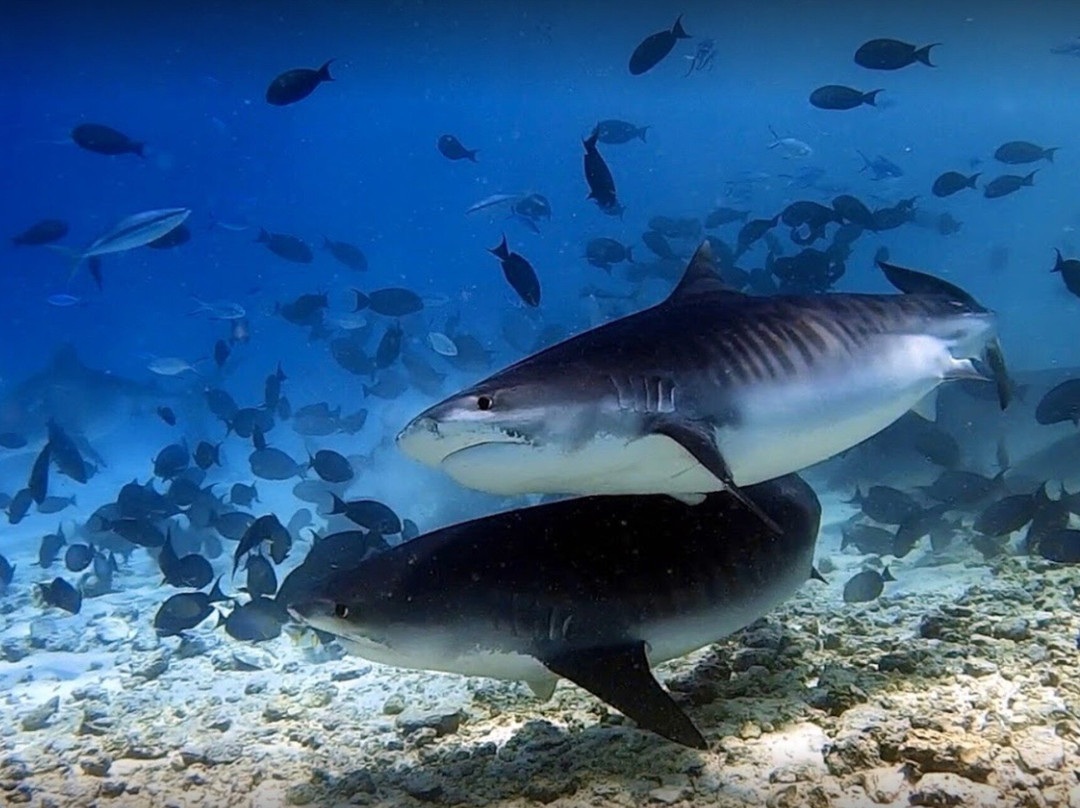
711 389
595 590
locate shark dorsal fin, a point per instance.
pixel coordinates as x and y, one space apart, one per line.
700 277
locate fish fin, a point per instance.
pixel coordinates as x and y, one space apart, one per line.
913 282
689 499
677 30
923 54
324 71
926 407
502 251
544 688
700 277
697 439
995 359
619 675
817 576
870 97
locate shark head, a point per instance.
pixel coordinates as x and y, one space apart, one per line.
506 433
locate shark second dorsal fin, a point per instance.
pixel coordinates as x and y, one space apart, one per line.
700 277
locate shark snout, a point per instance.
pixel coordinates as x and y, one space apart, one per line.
420 440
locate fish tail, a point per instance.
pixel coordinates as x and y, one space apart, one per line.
923 54
1049 153
972 179
324 71
139 149
641 132
1030 178
871 97
502 251
1058 262
678 31
471 154
630 255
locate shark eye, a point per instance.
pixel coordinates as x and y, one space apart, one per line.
341 611
484 403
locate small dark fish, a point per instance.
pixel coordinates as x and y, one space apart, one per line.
1006 515
392 302
7 572
722 216
221 353
1070 273
659 246
44 232
38 484
388 386
836 96
207 454
281 541
12 440
62 595
869 539
65 454
181 613
348 254
274 464
1062 546
243 495
55 504
221 404
450 148
331 466
244 421
272 388
866 586
171 460
851 209
103 139
50 548
598 176
261 578
889 506
233 524
19 506
167 415
1019 152
952 182
369 514
191 570
297 84
78 557
140 531
937 446
258 620
752 231
603 252
174 238
957 487
1061 403
615 132
519 274
915 526
285 246
389 348
1007 184
891 54
655 47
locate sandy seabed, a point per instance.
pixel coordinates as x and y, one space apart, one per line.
960 686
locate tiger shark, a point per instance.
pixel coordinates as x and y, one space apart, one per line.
709 390
595 590
88 403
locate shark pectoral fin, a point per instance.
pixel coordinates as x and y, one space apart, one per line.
544 688
689 499
926 407
619 675
697 439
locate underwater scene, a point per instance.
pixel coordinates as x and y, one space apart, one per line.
407 403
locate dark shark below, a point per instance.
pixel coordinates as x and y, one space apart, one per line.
595 590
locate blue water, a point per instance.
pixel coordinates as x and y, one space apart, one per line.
356 160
